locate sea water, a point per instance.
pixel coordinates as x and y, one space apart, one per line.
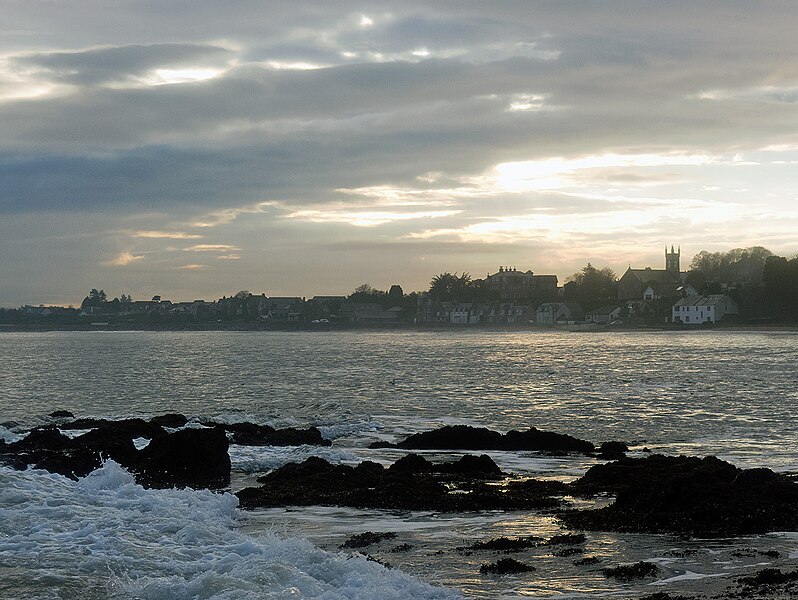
730 394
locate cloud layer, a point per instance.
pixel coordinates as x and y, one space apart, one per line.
307 149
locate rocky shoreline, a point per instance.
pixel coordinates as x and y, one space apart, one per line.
676 495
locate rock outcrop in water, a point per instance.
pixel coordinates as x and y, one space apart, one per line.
704 497
195 458
411 483
251 434
465 437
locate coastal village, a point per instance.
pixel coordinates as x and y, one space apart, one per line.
719 289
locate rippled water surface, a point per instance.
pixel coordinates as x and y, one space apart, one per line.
732 394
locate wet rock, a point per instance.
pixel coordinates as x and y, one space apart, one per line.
132 428
410 484
587 560
61 414
664 596
465 437
401 548
110 442
565 552
47 448
692 496
769 577
566 539
369 538
194 458
612 450
639 570
505 544
505 566
251 434
171 420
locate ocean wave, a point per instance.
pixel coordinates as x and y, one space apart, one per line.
105 532
257 459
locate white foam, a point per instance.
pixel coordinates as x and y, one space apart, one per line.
258 459
105 530
686 576
8 436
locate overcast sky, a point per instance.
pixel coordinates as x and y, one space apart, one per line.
192 149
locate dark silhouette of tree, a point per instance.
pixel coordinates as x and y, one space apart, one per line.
592 287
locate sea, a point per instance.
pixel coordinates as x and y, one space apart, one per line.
731 394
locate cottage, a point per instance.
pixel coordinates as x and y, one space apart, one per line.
704 309
605 314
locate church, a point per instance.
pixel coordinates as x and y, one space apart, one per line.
659 282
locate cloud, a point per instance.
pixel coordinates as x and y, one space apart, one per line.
211 248
117 63
123 259
171 235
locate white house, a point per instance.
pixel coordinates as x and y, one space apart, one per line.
605 314
704 309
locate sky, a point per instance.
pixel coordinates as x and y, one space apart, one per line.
192 149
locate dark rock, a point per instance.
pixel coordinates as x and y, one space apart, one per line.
412 463
47 448
505 566
638 570
565 552
61 414
770 553
587 560
686 495
109 442
566 539
171 420
464 437
380 445
769 577
612 450
132 428
42 438
412 483
505 544
474 466
251 434
401 548
194 458
363 540
545 441
664 596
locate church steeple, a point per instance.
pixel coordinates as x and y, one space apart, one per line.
672 260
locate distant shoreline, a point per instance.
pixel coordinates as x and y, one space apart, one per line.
306 327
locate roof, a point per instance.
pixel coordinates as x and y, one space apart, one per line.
711 300
604 310
649 275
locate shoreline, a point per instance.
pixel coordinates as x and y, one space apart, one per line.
303 327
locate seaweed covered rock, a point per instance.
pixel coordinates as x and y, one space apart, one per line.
412 483
505 566
638 570
465 437
687 495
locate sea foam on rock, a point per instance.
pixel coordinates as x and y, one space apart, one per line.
118 539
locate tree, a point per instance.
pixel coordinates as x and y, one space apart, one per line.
592 287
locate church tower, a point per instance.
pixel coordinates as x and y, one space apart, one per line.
672 260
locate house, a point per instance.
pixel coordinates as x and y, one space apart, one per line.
605 314
279 308
369 314
657 291
552 313
511 285
635 282
704 309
